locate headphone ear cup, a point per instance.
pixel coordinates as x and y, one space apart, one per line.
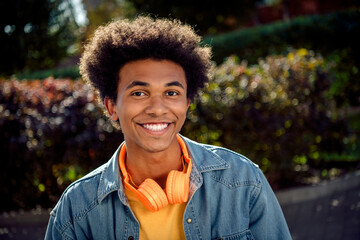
152 195
177 187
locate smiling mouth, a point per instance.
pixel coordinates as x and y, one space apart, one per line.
155 127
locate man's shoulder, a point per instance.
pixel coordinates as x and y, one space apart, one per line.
85 195
223 153
234 165
81 195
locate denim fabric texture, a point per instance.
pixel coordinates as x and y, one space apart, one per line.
229 199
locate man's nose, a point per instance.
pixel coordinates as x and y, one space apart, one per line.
157 106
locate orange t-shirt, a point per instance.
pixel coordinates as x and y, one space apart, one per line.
163 224
167 223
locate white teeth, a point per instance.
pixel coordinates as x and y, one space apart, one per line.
156 127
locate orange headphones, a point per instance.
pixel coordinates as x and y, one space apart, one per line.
151 194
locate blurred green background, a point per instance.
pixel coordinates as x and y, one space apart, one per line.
285 89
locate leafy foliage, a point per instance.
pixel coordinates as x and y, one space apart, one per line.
34 34
333 35
52 133
213 18
67 72
279 113
106 11
310 32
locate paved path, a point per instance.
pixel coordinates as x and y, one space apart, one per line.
29 225
328 211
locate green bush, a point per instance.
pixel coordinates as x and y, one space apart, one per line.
334 35
52 133
68 72
278 113
321 33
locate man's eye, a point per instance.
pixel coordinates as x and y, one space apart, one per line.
138 94
172 93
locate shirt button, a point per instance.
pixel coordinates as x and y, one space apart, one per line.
189 220
131 238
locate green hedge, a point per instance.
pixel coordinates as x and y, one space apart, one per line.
334 35
68 72
52 132
321 33
279 113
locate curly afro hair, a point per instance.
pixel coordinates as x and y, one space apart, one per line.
123 41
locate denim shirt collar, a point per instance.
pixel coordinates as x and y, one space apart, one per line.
203 159
110 179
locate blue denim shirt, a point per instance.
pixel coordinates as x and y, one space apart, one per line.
229 199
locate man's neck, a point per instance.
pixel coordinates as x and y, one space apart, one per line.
141 165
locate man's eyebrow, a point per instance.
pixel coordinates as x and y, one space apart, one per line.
137 83
175 83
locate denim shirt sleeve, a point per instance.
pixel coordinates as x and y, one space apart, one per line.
94 207
266 217
53 233
60 225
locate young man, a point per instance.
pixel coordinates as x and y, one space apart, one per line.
158 184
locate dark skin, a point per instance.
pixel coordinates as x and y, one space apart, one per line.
151 107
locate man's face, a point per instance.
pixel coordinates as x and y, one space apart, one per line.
151 104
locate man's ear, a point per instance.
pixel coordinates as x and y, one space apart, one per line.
111 108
